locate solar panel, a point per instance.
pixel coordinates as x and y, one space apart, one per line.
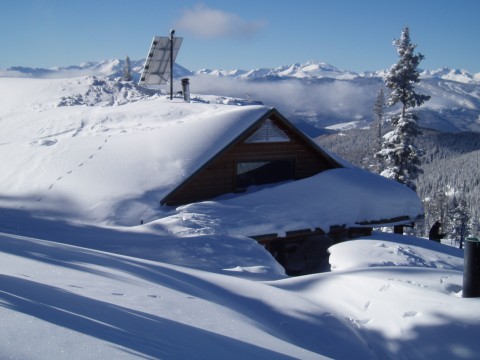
157 67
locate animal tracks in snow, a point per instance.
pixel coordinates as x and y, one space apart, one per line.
118 294
151 296
81 164
24 275
410 314
384 287
358 322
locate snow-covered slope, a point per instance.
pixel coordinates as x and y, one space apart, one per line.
458 75
390 297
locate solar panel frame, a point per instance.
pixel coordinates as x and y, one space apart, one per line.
156 69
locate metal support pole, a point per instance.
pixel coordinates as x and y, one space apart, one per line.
171 63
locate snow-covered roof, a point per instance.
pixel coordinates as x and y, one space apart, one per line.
344 196
109 163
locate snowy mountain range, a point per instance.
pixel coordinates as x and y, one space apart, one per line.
314 95
310 70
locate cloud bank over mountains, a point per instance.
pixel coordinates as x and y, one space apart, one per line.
314 95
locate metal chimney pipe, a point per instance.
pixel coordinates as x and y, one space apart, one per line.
186 89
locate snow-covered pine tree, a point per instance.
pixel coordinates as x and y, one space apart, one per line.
474 223
127 70
400 155
377 128
459 218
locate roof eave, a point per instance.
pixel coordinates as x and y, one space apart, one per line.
398 220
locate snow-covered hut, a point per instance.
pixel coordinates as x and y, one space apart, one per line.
263 178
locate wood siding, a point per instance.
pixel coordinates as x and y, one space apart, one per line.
219 176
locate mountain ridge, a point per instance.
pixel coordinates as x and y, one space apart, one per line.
309 70
314 95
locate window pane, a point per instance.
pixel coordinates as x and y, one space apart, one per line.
264 172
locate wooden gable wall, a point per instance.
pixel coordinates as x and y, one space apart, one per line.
218 176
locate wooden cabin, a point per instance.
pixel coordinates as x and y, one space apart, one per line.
271 150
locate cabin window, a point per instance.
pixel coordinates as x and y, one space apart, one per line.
267 133
264 172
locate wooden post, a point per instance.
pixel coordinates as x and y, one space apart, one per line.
398 229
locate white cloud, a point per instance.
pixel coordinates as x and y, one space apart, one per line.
329 100
212 23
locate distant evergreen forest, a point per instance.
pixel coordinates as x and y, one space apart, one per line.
449 186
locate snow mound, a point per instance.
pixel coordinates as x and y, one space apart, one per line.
105 92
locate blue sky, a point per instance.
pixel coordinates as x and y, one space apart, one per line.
352 35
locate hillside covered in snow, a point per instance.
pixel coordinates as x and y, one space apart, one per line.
93 267
388 297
